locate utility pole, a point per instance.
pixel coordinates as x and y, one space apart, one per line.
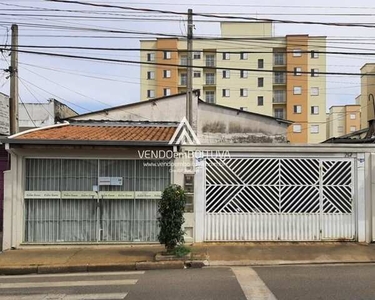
13 101
189 83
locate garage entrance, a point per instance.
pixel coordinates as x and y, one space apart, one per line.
277 199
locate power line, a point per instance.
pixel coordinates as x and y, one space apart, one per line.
27 112
215 15
186 51
90 58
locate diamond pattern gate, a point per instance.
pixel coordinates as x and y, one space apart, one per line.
270 199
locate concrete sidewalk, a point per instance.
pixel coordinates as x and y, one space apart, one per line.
53 259
233 254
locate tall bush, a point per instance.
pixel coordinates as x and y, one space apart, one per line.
171 208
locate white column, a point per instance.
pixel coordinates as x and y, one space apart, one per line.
7 231
372 194
199 205
361 198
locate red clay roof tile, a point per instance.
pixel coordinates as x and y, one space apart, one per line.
102 133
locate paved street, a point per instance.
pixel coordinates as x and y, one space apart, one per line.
320 282
259 283
214 283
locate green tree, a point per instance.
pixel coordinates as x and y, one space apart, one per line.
171 208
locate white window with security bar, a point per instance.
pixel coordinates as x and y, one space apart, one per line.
226 74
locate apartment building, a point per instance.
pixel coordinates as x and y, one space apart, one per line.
257 72
367 88
343 120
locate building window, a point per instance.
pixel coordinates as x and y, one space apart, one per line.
314 91
243 93
315 110
197 55
210 96
183 79
183 60
297 90
166 92
297 109
243 55
297 128
226 92
279 113
297 71
167 54
226 56
314 72
150 75
210 60
210 78
166 73
260 100
353 128
150 56
279 96
260 63
150 93
226 74
260 82
314 129
243 74
297 52
314 54
352 116
197 74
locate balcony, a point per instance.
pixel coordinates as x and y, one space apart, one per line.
279 59
183 81
279 78
279 97
210 61
279 114
210 79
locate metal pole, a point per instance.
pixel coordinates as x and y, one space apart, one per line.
189 94
13 101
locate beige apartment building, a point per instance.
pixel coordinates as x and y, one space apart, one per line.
257 72
367 88
343 120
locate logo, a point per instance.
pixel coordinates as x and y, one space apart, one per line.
184 135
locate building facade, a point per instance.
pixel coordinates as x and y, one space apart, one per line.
342 120
275 76
367 88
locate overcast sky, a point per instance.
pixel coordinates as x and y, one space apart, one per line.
72 81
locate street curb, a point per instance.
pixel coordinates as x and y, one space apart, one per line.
55 269
160 265
111 267
255 263
18 270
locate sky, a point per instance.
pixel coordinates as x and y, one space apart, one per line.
87 86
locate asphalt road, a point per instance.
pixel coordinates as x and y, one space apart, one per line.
331 282
189 284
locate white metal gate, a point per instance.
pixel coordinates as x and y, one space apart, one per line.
271 199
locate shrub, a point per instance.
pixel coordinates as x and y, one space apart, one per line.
181 251
171 208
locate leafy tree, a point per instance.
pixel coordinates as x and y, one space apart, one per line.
171 208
